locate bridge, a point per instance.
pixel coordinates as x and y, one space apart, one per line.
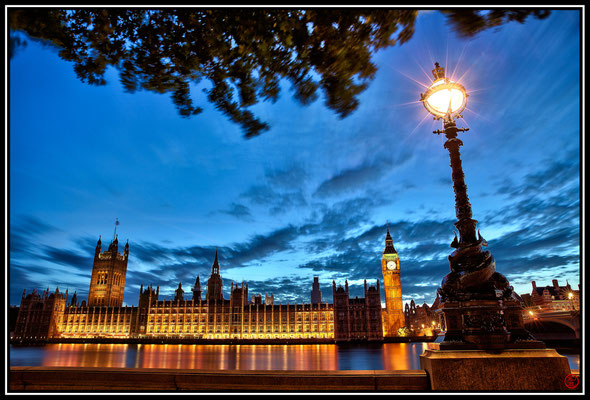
554 325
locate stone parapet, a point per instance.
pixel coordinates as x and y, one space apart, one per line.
538 370
55 379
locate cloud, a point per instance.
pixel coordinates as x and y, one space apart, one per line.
23 230
286 289
69 258
239 211
261 246
276 202
361 176
557 175
350 179
293 176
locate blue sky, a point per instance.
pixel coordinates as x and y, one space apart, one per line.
311 196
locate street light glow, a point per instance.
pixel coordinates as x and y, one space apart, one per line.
445 97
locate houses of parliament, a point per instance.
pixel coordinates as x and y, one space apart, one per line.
49 315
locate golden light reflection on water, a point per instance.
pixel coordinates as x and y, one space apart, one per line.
85 355
242 357
386 356
399 356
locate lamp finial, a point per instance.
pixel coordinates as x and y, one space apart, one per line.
438 71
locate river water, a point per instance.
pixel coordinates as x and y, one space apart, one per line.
382 356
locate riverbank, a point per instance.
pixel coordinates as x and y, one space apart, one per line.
62 379
35 379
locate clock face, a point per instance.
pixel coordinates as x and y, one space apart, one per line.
391 265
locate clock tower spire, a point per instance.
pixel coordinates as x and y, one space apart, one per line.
393 316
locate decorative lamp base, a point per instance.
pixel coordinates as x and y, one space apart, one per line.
480 370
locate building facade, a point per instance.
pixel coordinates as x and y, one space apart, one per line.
40 315
48 316
421 319
393 315
357 318
555 297
109 269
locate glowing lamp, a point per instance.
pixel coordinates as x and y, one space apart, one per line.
444 97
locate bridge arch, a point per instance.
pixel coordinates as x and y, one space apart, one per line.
552 329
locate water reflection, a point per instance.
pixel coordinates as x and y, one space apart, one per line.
240 357
381 356
84 355
402 355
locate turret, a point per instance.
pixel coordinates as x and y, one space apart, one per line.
97 249
179 293
114 246
215 266
74 302
316 293
215 283
197 289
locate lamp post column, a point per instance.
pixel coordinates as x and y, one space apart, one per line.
465 224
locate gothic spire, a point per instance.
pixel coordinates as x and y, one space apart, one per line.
215 267
389 249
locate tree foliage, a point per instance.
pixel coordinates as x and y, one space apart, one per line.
242 53
469 22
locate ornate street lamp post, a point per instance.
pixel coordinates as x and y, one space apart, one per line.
479 306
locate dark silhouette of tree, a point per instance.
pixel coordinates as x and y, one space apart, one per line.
469 22
243 53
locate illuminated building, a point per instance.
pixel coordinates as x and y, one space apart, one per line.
358 318
257 299
48 316
420 319
555 297
197 289
393 316
215 283
39 314
269 299
109 269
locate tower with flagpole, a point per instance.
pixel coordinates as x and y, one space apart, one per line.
109 270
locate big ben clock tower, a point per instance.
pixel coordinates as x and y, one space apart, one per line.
393 317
